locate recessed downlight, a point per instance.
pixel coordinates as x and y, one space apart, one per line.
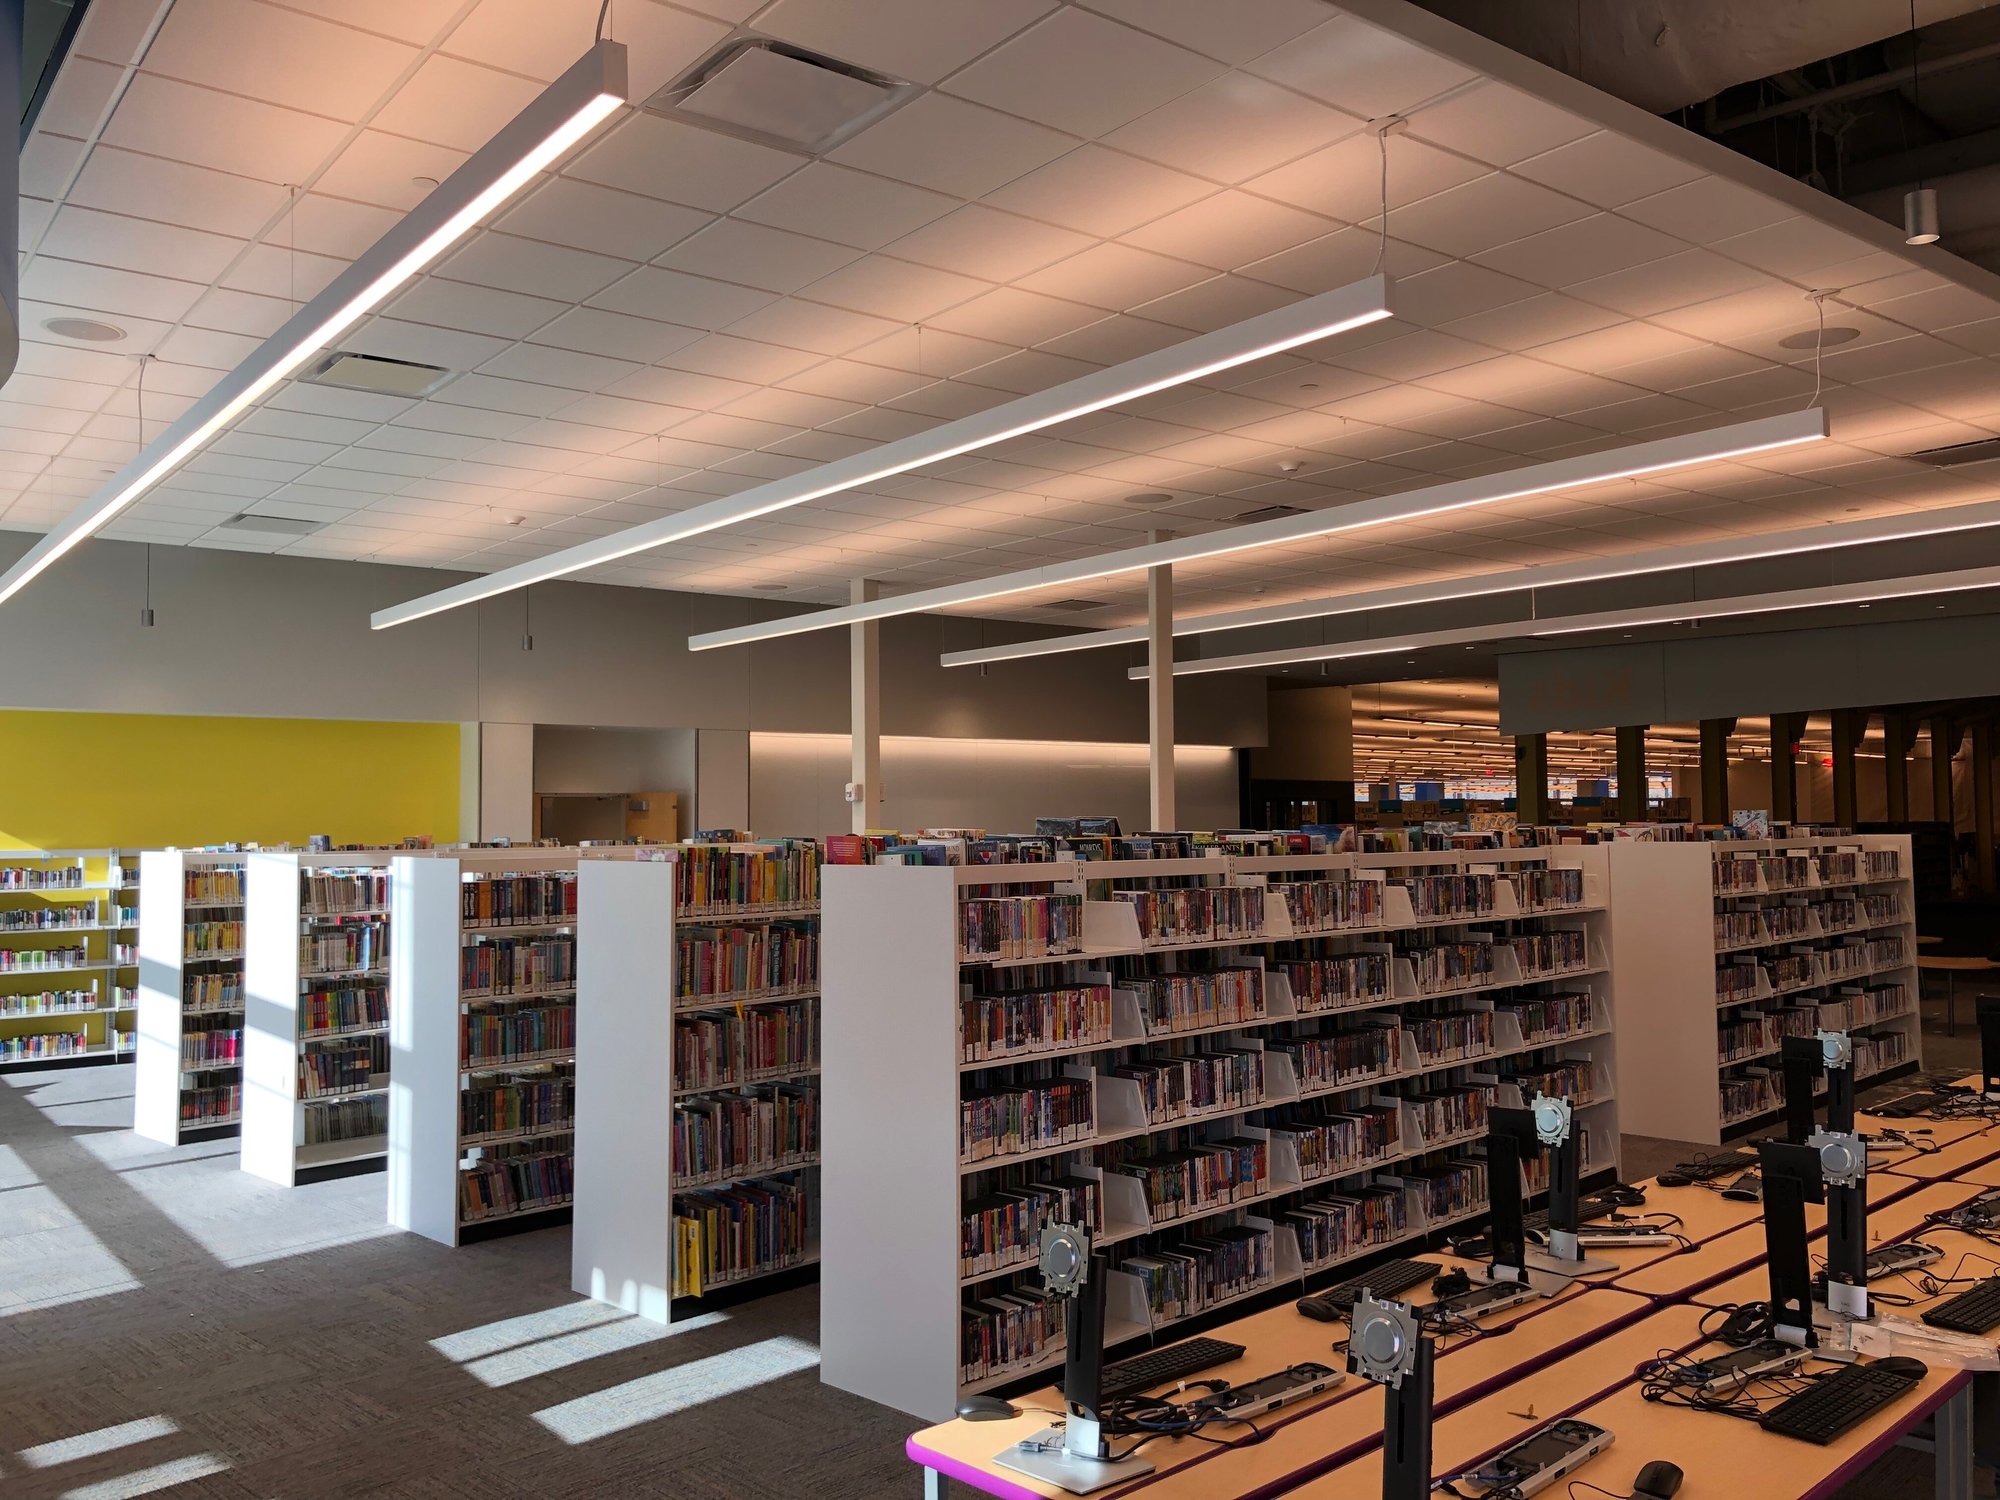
88 330
1150 497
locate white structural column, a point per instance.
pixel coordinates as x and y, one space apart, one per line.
1159 688
865 710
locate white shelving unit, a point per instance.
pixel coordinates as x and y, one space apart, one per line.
285 1124
191 996
434 1152
1742 942
67 991
636 1240
897 1071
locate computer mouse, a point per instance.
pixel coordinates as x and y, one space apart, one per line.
1902 1364
1625 1195
1322 1309
1673 1179
986 1409
1659 1480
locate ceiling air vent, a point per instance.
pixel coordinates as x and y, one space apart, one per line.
255 525
1271 513
1073 606
1960 453
378 376
779 94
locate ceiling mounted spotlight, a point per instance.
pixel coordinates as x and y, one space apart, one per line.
1920 216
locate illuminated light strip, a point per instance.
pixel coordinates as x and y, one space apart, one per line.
1303 322
1717 444
1870 591
567 111
1821 538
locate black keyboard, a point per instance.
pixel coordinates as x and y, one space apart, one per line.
1589 1209
1142 1372
1387 1279
1975 1310
1834 1403
1910 1106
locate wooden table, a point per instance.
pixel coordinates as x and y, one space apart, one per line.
1951 968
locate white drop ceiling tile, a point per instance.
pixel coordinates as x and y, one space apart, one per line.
434 416
919 40
43 418
214 466
951 146
47 163
879 424
1593 247
1344 181
1102 193
853 380
1218 303
726 431
1904 357
1361 68
898 289
1794 247
382 169
474 309
623 414
985 243
26 442
514 264
1661 286
756 255
1762 305
1487 212
574 437
277 55
1231 34
675 297
740 359
1713 207
449 348
527 457
86 362
34 217
807 325
493 394
1610 170
84 234
1011 316
277 423
854 208
241 312
77 100
948 400
1229 230
1233 128
333 226
618 335
794 409
565 367
1339 258
1029 370
1115 276
277 272
180 122
451 102
680 388
206 348
1115 339
1082 73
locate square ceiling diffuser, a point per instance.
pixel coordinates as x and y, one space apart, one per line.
782 95
382 377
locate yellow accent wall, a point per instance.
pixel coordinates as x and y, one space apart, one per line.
91 781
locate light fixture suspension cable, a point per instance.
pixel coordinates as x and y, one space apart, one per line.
1819 345
1382 233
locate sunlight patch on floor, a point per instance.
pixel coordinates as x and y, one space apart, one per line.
684 1386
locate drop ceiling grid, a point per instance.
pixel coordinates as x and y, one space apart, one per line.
518 488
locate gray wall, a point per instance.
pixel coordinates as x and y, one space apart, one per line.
1784 671
243 633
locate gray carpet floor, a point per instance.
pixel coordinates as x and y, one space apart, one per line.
171 1326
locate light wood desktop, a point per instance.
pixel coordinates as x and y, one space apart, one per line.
1495 1420
1274 1339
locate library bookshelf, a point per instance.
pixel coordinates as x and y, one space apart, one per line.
483 1040
1745 942
317 1008
697 1135
1245 1072
188 1080
68 957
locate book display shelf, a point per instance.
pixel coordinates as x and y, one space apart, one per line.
1769 938
317 1009
188 1083
69 963
697 1139
1243 1071
483 1040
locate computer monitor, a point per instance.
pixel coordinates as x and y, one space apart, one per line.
1510 1136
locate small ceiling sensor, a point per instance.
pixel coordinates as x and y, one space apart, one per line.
515 520
1290 466
425 184
88 330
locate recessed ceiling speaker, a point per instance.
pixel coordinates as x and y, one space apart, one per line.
89 330
1813 338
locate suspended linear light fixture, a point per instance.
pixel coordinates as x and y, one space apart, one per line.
567 111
